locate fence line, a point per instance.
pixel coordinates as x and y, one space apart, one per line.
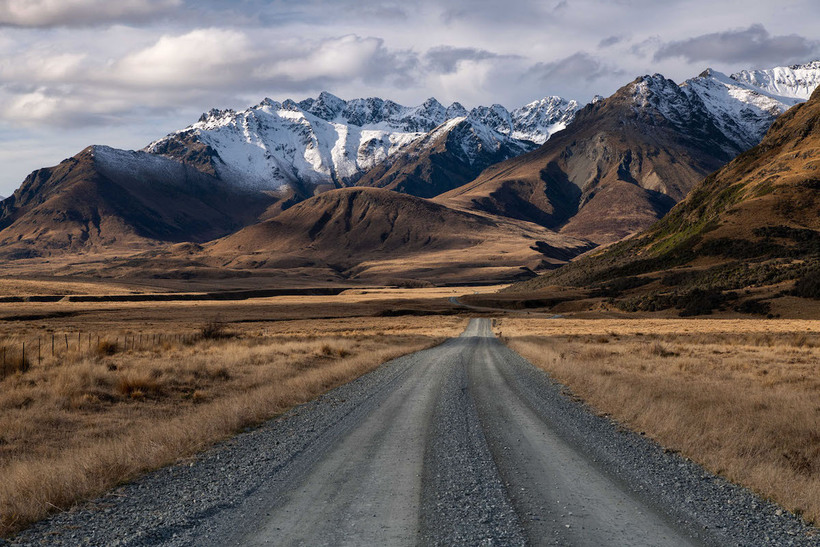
18 356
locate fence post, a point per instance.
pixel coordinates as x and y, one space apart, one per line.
23 362
66 342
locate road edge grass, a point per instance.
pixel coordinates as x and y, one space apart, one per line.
650 408
34 489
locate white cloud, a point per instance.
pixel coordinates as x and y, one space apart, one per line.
36 105
206 57
344 57
68 13
34 66
127 71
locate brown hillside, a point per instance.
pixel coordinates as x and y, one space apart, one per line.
369 231
617 168
113 199
756 222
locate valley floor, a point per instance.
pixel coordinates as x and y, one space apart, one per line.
133 386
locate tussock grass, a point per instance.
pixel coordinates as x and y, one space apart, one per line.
741 398
76 425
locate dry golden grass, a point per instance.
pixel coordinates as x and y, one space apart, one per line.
25 287
740 397
79 423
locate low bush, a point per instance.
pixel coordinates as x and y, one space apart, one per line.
691 303
107 347
808 286
617 286
700 302
214 330
754 307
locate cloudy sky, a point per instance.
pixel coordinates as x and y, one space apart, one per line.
79 72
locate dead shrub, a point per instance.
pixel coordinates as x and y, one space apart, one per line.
137 386
13 362
214 330
107 348
219 373
660 350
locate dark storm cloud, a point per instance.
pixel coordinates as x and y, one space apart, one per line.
445 59
579 66
611 41
752 45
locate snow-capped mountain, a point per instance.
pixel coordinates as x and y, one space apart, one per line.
624 161
741 107
329 142
538 120
451 155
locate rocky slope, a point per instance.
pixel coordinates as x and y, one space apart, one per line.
626 160
755 222
368 232
448 157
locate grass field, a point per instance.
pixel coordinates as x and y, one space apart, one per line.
76 424
134 386
741 397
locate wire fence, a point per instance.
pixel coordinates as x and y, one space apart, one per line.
19 354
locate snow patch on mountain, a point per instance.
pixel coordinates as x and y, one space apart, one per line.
741 106
327 141
539 120
795 82
138 165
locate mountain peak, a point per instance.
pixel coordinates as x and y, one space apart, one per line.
432 102
456 110
216 113
326 106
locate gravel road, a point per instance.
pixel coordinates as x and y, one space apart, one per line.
463 444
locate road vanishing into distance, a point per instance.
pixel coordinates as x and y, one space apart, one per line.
462 444
420 463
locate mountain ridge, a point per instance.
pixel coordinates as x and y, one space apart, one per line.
105 199
327 142
626 160
754 222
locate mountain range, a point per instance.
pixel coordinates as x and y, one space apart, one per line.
326 142
751 225
626 160
271 179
